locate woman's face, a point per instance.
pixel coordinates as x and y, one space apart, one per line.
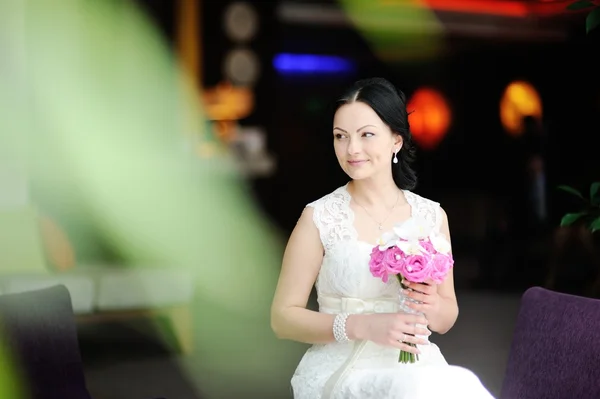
364 144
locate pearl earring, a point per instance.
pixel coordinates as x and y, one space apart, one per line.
395 160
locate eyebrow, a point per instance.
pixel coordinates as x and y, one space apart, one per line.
358 130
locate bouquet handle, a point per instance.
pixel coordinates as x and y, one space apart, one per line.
407 357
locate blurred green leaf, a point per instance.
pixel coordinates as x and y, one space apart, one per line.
592 20
580 5
396 30
594 191
595 225
571 190
571 218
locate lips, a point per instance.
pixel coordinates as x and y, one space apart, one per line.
357 162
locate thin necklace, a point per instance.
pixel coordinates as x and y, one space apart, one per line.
380 224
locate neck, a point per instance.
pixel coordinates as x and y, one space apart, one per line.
369 192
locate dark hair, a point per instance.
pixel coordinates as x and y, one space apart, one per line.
389 104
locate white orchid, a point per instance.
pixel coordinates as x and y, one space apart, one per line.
387 240
410 247
414 229
440 243
406 236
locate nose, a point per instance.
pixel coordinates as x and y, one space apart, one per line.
353 146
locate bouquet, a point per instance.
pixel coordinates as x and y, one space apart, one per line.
413 251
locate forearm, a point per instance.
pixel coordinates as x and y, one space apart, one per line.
444 317
303 325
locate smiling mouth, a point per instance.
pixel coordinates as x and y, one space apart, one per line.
356 162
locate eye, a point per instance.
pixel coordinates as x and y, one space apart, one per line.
339 136
367 134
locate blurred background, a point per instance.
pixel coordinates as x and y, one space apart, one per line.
156 155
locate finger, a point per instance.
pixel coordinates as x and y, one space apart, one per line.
430 283
422 288
412 285
407 319
412 339
405 347
417 330
428 288
418 296
423 332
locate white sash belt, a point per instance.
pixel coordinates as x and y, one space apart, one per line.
358 306
335 305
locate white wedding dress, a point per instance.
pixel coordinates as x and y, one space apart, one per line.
364 370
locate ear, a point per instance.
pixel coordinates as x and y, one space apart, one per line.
398 141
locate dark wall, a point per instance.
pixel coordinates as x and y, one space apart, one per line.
476 155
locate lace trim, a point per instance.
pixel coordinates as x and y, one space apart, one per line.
425 208
334 218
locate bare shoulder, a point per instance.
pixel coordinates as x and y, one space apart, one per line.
443 214
306 219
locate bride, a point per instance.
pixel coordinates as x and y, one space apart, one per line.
363 323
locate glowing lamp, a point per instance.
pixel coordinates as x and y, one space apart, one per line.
226 102
430 117
520 99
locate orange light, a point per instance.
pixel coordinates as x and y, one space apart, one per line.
227 103
430 117
225 129
520 99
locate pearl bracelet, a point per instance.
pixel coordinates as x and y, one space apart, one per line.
339 327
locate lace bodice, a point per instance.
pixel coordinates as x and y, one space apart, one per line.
344 271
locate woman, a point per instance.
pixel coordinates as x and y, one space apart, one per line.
362 322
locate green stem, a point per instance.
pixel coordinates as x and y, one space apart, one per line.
408 357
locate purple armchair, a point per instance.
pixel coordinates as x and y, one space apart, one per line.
39 327
555 352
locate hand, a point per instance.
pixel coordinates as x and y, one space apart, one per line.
390 329
426 293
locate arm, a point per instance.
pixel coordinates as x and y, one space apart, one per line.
440 306
301 263
443 317
291 320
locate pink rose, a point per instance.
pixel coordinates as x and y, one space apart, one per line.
377 265
377 255
417 268
394 259
441 264
428 246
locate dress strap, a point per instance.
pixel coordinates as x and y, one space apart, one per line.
425 208
333 218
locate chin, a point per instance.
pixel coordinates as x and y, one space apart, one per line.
358 174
